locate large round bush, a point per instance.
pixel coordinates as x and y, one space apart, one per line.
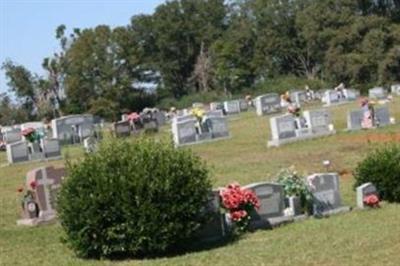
382 168
133 199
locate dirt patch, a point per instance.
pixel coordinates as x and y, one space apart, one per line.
372 137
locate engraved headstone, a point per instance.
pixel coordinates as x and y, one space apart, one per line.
267 104
282 127
354 119
73 128
12 135
184 131
326 194
382 116
272 205
216 228
243 105
318 120
52 148
122 128
43 185
232 107
17 152
377 93
219 127
363 191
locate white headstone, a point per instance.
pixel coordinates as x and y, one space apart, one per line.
267 104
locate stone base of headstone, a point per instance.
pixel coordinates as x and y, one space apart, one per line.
42 159
278 142
204 136
203 141
339 210
278 221
337 103
36 221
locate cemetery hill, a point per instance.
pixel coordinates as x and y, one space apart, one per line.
209 132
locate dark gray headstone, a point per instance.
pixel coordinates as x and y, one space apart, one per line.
17 152
219 127
122 128
184 131
382 116
354 119
283 127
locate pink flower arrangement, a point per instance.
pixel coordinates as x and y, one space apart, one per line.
371 201
33 184
239 202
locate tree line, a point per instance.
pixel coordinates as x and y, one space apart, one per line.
191 47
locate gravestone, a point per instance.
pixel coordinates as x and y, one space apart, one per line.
12 135
331 97
395 89
382 116
122 128
377 93
232 107
90 144
216 228
351 94
184 130
161 118
198 105
267 104
324 188
283 127
35 151
272 205
72 129
213 113
52 148
243 105
318 120
47 182
219 127
294 203
298 97
363 191
216 106
354 119
150 125
17 152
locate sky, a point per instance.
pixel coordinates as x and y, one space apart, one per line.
27 27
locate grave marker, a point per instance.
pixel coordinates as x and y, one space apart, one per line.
363 191
267 104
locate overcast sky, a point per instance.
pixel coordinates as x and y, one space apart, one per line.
27 27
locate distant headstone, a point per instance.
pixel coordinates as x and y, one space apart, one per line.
267 104
243 105
377 93
90 144
216 106
51 148
395 89
382 116
12 135
35 151
351 94
219 127
213 113
354 119
326 194
318 120
298 97
283 127
272 205
17 152
42 195
161 118
122 128
73 128
363 191
331 97
232 107
184 131
216 228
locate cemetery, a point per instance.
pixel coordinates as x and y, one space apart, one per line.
276 208
199 132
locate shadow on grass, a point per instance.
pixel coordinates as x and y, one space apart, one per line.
180 250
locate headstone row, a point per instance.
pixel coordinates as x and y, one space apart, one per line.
24 151
289 128
189 130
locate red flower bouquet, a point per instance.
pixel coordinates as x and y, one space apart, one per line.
239 203
371 201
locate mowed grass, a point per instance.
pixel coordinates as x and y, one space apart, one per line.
369 237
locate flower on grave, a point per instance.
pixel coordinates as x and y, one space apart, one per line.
239 203
33 184
371 201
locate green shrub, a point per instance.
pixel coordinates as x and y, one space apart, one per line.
382 168
139 198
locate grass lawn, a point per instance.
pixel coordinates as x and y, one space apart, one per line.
369 237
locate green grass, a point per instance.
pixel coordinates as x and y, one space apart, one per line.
357 238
